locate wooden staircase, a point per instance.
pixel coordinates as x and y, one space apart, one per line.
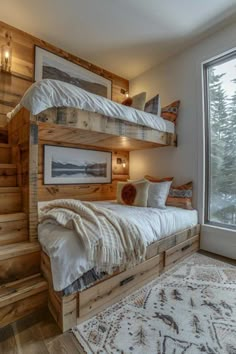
22 288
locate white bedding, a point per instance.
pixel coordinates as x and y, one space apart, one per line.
68 254
53 93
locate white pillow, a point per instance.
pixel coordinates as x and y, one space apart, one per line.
157 194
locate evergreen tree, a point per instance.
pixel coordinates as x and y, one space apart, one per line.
218 124
229 164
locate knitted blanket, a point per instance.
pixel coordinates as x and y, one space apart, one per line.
109 240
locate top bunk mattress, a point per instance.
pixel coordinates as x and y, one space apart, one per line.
49 93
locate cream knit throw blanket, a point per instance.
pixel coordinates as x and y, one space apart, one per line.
109 240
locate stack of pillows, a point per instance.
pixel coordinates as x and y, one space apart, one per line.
155 193
153 106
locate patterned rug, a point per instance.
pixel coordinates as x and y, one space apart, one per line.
188 310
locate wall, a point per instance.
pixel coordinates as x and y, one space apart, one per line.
180 78
13 86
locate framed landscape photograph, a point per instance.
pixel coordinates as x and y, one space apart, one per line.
65 165
52 66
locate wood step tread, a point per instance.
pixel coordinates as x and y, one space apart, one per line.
18 249
8 165
3 145
21 289
9 189
12 217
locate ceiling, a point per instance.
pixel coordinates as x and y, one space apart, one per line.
126 37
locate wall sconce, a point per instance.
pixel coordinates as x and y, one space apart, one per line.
125 92
120 161
6 54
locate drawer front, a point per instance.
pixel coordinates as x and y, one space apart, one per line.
183 249
117 287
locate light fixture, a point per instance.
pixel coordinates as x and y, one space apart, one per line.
6 54
120 161
124 92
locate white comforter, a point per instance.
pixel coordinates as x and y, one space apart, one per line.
53 93
68 253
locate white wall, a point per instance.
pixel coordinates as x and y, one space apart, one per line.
180 78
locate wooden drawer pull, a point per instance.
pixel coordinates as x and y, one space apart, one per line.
127 280
185 247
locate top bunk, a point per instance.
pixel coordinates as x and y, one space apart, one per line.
69 114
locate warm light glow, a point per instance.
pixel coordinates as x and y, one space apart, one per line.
127 94
124 163
6 57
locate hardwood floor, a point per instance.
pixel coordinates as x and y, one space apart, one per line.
39 334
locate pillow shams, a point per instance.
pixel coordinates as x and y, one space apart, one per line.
157 194
153 106
135 194
181 196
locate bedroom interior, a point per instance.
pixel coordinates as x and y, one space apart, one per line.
117 201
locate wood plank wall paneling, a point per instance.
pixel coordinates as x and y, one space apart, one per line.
83 191
13 86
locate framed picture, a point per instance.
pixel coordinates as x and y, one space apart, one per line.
65 165
52 66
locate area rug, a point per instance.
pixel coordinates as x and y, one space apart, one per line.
190 309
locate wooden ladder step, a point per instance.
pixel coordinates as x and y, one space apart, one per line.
10 200
8 175
5 153
19 260
18 249
19 298
12 217
3 135
13 228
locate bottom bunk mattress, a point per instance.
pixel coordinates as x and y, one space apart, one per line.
71 268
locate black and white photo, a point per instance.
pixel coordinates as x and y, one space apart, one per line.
65 165
52 66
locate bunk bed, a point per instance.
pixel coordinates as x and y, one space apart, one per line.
63 118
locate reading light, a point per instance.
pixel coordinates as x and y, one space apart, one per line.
120 161
124 92
6 54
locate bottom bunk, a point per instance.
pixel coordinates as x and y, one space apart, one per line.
160 256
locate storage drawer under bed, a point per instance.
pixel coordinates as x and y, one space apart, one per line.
183 249
110 291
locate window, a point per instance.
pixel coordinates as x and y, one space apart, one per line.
220 112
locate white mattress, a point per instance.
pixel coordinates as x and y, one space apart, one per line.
68 254
53 93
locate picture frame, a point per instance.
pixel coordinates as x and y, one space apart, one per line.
72 165
51 66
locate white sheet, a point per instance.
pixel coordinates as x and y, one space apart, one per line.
68 254
53 93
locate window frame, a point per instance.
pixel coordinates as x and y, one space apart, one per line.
207 140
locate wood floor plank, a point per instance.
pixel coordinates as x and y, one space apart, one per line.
28 336
8 343
64 344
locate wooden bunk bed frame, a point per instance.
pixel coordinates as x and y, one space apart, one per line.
74 127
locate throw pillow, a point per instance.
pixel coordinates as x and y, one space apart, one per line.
153 106
137 101
171 111
157 179
157 194
135 194
181 197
